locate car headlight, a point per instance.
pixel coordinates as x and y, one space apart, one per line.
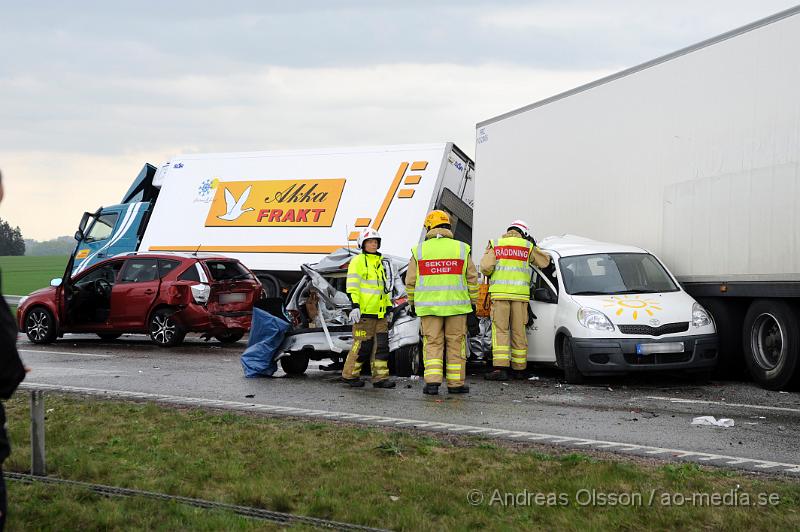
700 316
22 301
594 319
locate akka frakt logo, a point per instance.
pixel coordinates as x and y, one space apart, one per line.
279 203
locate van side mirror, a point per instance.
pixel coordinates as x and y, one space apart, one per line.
544 295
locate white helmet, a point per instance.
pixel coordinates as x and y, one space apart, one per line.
521 226
366 234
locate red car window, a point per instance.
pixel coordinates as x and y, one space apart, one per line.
139 271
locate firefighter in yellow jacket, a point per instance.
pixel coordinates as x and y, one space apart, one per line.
369 290
442 286
506 263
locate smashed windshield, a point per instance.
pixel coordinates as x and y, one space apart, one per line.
615 273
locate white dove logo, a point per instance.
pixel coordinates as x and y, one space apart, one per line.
233 208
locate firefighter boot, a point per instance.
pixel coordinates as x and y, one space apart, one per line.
431 389
354 383
458 389
518 375
499 374
384 384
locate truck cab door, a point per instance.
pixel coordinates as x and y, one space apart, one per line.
115 230
134 293
543 304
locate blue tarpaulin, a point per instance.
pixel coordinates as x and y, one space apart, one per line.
266 336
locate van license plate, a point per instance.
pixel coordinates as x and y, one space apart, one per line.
651 349
239 297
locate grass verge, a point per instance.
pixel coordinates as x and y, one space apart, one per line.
364 475
23 275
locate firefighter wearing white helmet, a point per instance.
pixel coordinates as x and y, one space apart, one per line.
507 264
369 290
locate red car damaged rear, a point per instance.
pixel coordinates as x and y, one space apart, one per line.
163 295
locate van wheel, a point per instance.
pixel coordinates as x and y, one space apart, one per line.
40 326
571 372
771 339
295 364
230 336
728 317
109 336
165 331
408 361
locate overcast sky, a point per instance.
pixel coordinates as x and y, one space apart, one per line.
90 91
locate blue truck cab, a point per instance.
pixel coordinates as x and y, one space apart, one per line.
116 229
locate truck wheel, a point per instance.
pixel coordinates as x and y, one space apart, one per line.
109 336
408 361
728 317
571 372
295 364
270 284
40 326
230 336
165 331
771 339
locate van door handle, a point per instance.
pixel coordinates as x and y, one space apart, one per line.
149 291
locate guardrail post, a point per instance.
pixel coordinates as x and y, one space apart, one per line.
38 466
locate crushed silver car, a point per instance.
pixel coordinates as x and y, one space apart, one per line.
318 308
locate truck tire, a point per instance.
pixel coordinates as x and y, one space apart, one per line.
728 318
165 331
295 364
408 361
571 372
40 326
771 339
270 284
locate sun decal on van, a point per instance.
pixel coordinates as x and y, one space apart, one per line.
637 305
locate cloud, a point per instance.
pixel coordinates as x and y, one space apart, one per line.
78 164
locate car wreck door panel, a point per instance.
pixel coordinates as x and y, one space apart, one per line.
134 293
541 334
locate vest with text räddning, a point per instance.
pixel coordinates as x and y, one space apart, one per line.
511 278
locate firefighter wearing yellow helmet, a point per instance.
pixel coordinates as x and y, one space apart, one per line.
369 290
442 286
507 263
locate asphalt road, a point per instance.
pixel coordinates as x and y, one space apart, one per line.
648 416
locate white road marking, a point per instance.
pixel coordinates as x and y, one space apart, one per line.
295 411
724 403
65 353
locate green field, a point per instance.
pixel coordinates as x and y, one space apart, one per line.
23 275
363 475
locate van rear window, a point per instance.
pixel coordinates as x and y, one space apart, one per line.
227 270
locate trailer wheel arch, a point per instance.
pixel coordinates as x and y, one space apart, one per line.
728 315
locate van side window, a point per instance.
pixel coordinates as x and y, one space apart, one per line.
190 274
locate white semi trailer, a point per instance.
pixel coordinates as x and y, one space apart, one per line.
694 156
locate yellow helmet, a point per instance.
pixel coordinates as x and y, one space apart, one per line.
435 219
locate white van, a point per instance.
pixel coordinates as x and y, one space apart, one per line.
603 308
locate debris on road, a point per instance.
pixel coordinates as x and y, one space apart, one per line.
533 378
711 420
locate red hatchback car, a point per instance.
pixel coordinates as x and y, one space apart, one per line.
165 295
